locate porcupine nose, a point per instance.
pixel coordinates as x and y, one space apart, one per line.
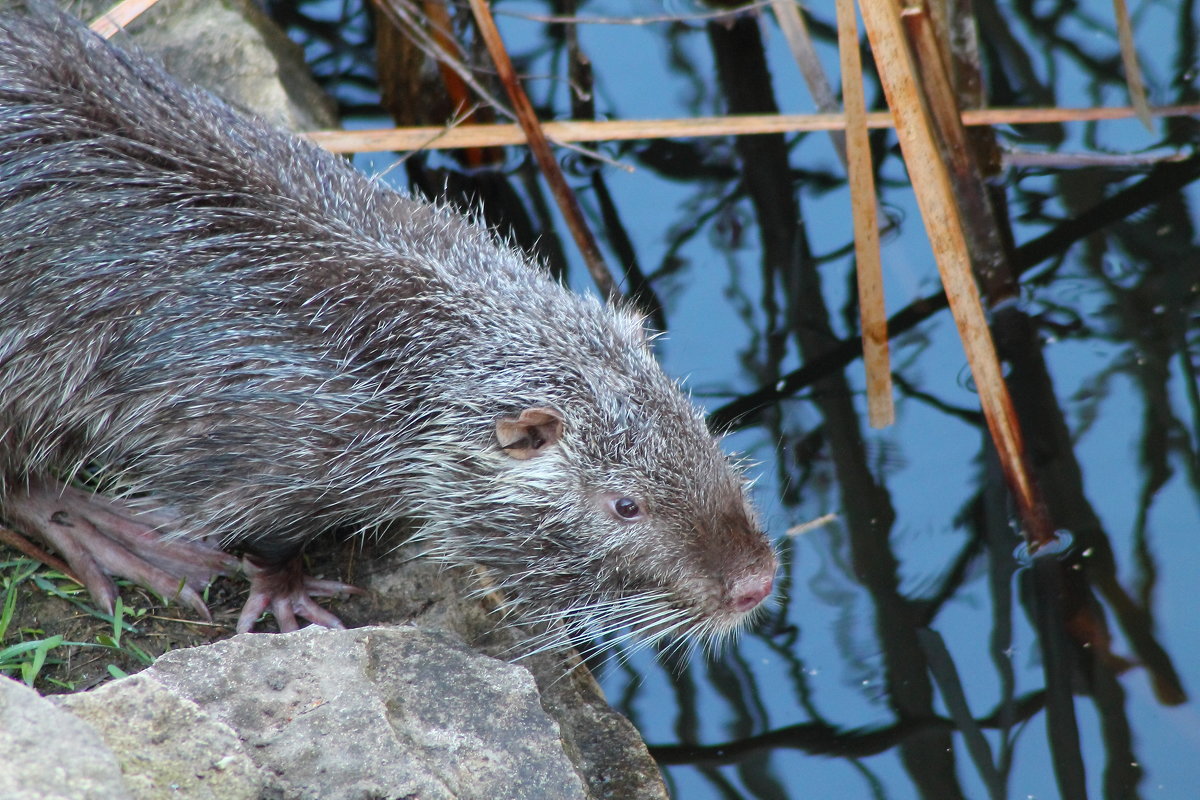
750 590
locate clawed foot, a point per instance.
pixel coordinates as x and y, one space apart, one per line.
288 592
100 537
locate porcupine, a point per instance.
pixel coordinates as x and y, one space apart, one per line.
259 344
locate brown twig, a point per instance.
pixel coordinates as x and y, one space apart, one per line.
791 23
540 147
881 411
572 19
916 128
1129 60
113 21
367 141
962 157
404 16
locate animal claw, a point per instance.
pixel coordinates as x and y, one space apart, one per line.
288 592
100 537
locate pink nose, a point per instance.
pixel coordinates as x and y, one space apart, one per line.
750 590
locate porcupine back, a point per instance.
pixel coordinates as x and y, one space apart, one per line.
249 330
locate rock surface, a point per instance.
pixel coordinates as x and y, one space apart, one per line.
604 746
327 715
332 715
166 745
49 754
231 48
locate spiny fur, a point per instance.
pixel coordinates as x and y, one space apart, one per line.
271 345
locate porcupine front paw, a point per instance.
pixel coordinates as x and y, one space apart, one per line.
288 593
100 537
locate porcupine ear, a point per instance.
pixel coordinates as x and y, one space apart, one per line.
530 434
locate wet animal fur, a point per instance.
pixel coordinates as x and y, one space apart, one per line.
271 345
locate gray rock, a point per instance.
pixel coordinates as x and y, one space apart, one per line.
167 746
48 754
604 746
232 49
378 712
364 713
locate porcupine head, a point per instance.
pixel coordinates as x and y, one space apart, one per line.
592 490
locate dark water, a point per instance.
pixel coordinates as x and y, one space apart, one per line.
908 653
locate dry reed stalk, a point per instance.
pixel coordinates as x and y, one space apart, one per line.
915 128
791 23
432 37
405 16
812 524
726 12
1021 159
1129 60
441 138
881 410
440 26
985 244
540 147
111 22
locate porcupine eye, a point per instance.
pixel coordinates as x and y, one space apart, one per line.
626 508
